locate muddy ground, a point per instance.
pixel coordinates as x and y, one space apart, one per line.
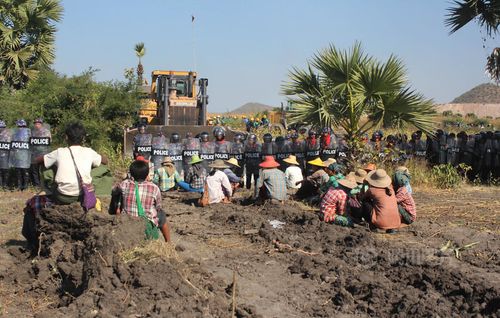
445 265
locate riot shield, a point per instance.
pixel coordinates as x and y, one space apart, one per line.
252 156
175 154
222 149
237 152
268 149
297 149
159 150
328 148
282 152
191 147
143 145
5 143
20 155
343 152
420 149
40 141
443 149
207 153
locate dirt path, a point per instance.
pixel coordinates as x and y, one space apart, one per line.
311 269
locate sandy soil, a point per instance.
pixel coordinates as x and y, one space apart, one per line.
304 269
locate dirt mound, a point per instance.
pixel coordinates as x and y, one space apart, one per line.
84 260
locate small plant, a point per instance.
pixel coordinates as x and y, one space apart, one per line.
447 113
471 116
446 176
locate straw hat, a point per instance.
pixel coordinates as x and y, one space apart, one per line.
402 169
316 162
349 181
378 178
370 167
233 162
195 159
218 164
269 162
329 161
291 160
166 161
360 175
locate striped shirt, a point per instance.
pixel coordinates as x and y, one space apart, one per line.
406 201
275 182
149 194
333 204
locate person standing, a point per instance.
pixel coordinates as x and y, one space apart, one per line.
40 145
5 139
20 156
252 159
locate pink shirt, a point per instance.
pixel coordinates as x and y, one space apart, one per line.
385 213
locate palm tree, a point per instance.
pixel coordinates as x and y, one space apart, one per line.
27 36
487 14
351 90
140 51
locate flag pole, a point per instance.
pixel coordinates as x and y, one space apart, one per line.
194 42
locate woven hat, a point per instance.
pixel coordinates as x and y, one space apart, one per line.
269 162
316 162
370 167
233 162
360 175
329 161
349 181
291 160
218 164
195 159
166 161
378 178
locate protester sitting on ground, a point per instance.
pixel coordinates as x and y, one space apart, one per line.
69 162
293 173
271 184
359 176
166 177
406 204
218 185
380 207
370 167
334 203
403 170
335 173
311 185
356 194
329 161
139 197
195 177
236 182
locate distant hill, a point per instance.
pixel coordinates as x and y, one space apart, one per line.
481 94
251 108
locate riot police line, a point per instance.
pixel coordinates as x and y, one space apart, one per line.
19 146
480 151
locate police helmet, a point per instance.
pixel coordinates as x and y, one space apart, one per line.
311 133
175 137
204 136
238 137
280 140
267 137
252 138
21 123
294 136
38 121
2 124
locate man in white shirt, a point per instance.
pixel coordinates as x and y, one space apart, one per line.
293 173
218 185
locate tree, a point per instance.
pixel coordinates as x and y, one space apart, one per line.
27 36
140 51
487 14
351 90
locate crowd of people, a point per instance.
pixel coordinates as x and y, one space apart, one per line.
303 165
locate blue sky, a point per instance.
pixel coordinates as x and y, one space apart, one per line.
245 48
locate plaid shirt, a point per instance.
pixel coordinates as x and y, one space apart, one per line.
150 196
333 203
275 182
165 182
406 201
196 177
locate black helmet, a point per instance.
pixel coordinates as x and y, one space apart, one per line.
189 134
326 130
267 137
294 136
238 137
218 131
311 133
252 138
204 136
280 140
175 137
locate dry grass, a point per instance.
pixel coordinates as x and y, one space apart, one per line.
149 251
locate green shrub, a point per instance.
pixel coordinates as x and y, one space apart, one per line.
446 176
447 113
470 115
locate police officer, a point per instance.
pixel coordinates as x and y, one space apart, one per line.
312 149
237 152
159 149
252 159
282 151
222 147
175 151
453 150
20 156
40 145
207 150
297 148
142 142
191 147
496 163
5 139
343 151
328 144
268 147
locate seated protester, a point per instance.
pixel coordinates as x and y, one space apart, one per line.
271 184
218 185
195 177
335 173
406 204
356 194
359 176
166 177
329 161
141 198
311 185
236 182
406 173
67 188
380 207
334 203
370 167
293 173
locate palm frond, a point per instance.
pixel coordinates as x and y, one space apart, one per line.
140 49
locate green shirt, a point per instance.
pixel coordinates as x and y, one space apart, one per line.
165 182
